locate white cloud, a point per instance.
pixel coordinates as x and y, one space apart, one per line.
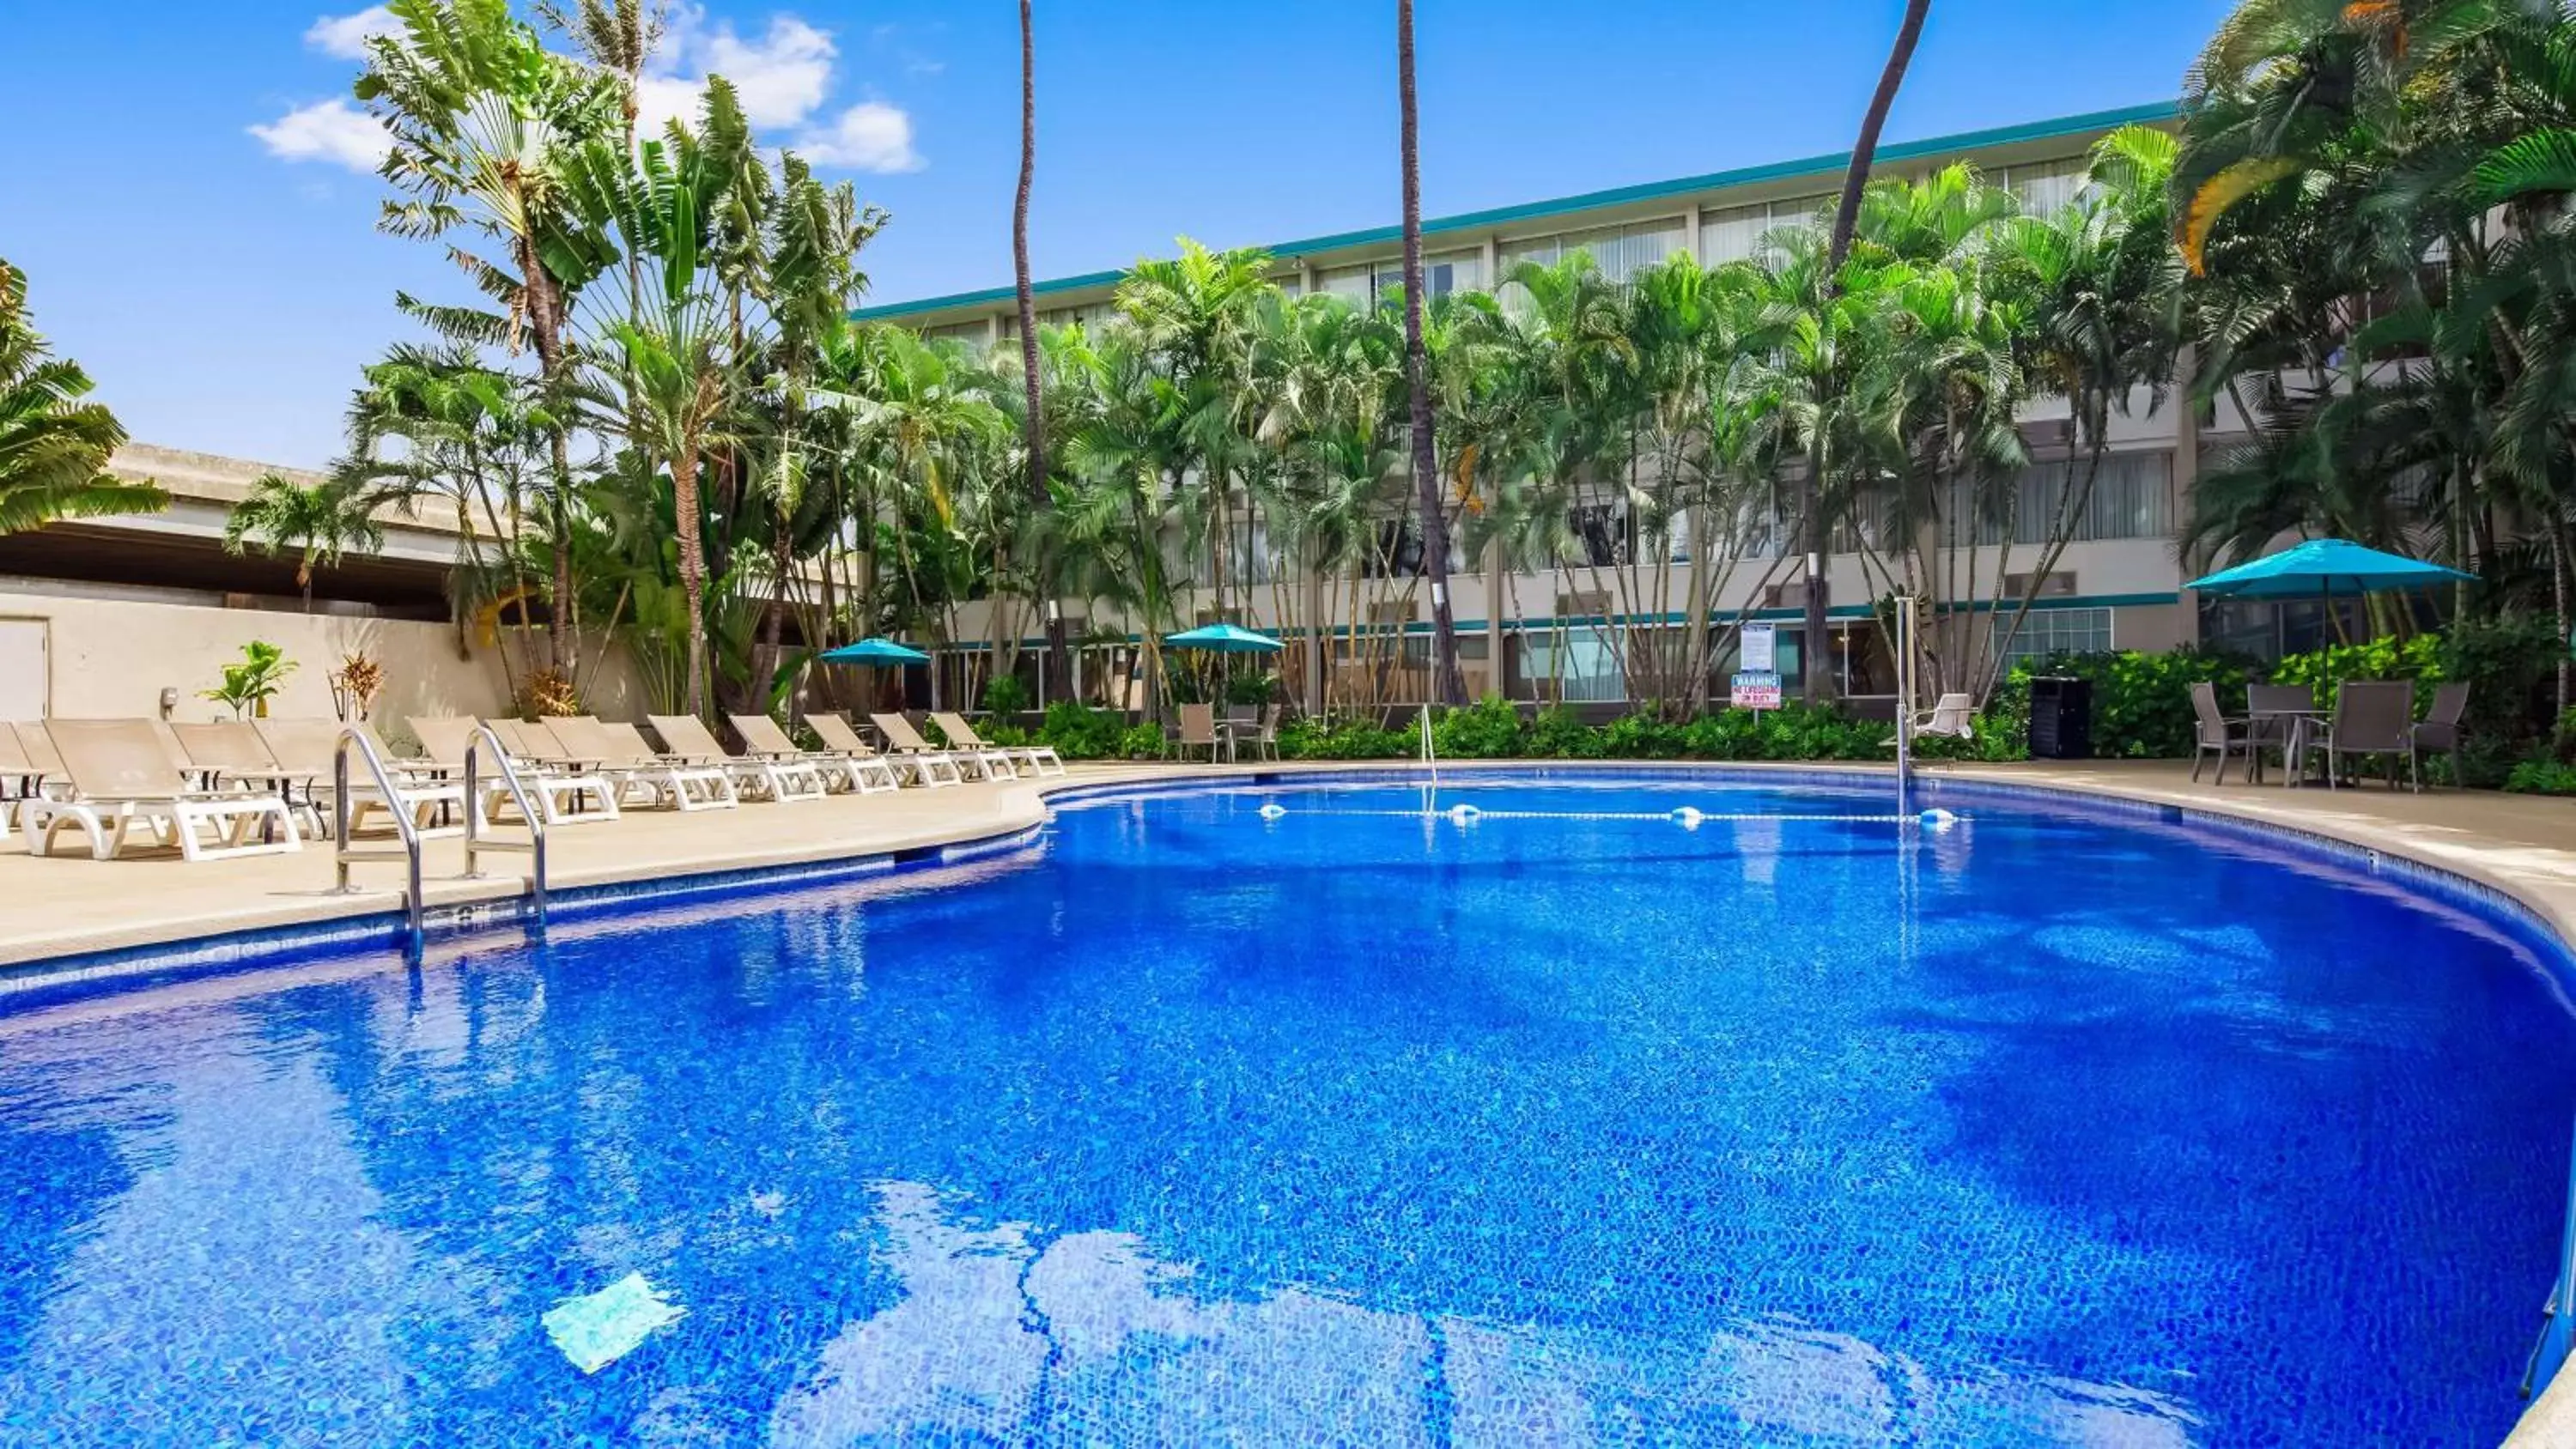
870 136
346 35
781 77
331 130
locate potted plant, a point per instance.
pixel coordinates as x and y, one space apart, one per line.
355 684
251 684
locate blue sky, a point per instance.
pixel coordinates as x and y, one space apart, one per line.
188 188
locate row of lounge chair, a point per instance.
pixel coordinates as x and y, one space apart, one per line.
221 789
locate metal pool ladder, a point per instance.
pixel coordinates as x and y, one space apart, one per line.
476 841
346 851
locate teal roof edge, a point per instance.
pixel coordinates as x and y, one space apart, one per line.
2147 113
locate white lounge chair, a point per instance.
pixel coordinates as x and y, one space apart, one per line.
1034 758
839 734
306 747
560 790
617 751
906 743
121 774
687 736
27 766
864 773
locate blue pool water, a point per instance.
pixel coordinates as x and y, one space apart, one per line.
1340 1127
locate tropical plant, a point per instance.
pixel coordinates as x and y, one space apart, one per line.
251 684
54 448
319 522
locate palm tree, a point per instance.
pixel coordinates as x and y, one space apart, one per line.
1426 477
1847 216
1034 423
54 448
483 119
320 521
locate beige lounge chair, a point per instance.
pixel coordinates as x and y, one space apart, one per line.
560 791
307 746
866 774
623 756
906 743
231 755
21 778
687 736
121 774
1033 758
839 734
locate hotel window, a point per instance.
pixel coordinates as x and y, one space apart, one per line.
1348 282
2048 187
1441 275
970 333
2045 632
1732 234
2132 498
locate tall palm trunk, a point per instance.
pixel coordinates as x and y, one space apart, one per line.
545 327
693 569
1813 644
1426 465
1058 667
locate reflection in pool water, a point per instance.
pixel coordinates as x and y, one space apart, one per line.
1333 1127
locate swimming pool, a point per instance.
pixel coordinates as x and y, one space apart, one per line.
1344 1125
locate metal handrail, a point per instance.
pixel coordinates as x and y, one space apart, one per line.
343 851
475 824
2558 1333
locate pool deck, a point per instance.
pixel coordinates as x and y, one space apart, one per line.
72 905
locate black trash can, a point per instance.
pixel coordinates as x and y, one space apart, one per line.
2061 718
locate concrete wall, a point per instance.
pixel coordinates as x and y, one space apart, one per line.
113 657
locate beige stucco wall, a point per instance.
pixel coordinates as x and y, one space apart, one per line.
113 657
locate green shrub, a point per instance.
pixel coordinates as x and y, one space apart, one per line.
1079 732
1311 738
1005 694
2511 668
1142 742
2542 777
1251 689
1557 733
2141 702
1489 729
2326 669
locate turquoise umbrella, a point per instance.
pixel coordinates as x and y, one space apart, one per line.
875 651
1222 639
2325 568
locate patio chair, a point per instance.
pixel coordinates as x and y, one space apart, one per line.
2371 717
232 755
1265 743
1198 731
306 746
2273 713
21 776
1033 758
2439 729
858 774
781 781
120 774
629 764
906 742
560 788
839 734
2215 732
